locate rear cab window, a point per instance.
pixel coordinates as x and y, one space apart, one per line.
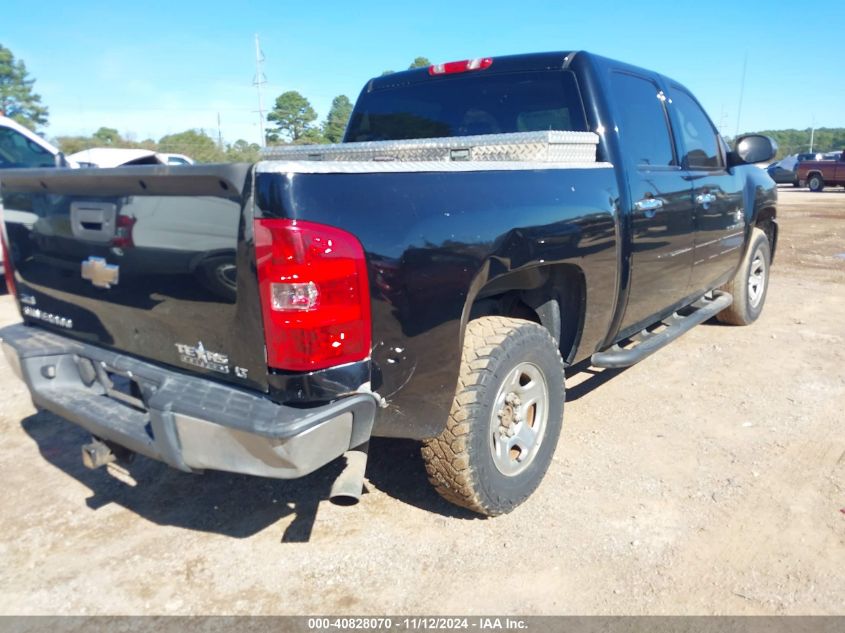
643 121
699 140
469 104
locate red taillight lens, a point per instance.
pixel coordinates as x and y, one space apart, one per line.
465 65
314 295
123 232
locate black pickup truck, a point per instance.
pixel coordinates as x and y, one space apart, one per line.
484 225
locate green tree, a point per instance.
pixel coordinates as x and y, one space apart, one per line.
108 136
337 119
147 143
17 100
242 151
798 141
195 143
104 137
311 136
419 62
293 115
72 144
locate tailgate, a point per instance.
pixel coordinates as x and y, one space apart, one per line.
150 261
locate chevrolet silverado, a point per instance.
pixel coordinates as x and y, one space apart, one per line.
485 225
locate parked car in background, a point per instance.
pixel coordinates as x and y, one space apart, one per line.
818 174
175 159
21 147
784 172
122 156
791 162
781 175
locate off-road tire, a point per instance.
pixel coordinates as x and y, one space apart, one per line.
744 310
815 182
460 461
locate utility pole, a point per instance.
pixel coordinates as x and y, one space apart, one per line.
219 133
258 82
812 134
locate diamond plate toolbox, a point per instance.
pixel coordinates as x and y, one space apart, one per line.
546 147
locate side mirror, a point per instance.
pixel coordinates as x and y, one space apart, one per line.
754 148
61 161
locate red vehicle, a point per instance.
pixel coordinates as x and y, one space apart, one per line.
818 174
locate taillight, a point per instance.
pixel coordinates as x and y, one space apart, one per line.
465 65
9 273
123 232
314 295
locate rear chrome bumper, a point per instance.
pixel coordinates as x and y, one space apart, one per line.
187 422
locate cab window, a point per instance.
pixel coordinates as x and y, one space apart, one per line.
469 105
698 136
643 125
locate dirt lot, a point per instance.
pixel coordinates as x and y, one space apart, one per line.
707 479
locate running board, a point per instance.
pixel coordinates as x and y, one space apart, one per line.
648 342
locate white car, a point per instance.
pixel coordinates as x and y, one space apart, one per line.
176 159
20 147
120 157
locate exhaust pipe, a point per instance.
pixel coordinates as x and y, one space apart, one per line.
349 485
97 453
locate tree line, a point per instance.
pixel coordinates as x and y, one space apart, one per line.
195 143
825 139
295 120
292 121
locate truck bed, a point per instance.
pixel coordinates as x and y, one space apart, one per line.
168 252
542 147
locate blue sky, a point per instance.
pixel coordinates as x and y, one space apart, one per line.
151 68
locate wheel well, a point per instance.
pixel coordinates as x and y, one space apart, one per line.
553 296
766 223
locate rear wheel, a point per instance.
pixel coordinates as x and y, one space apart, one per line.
505 420
750 284
815 182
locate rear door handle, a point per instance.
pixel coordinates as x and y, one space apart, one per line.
705 199
648 206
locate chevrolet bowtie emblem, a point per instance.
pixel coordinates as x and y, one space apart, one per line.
99 273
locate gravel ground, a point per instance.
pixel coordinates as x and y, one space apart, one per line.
708 479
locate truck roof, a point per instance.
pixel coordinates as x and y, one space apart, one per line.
504 63
552 60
